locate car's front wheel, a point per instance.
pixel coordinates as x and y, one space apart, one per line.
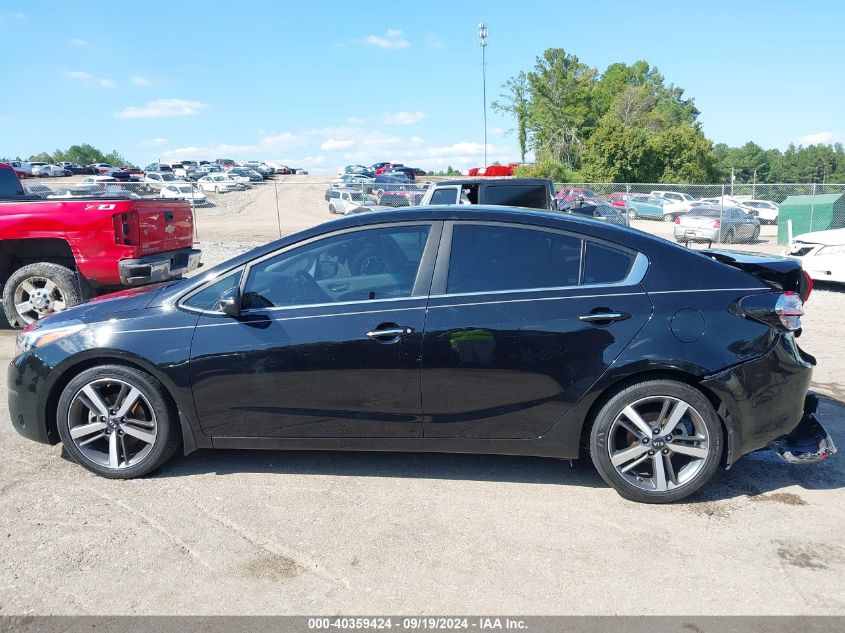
657 441
632 214
117 421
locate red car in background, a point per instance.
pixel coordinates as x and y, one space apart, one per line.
493 170
620 198
387 167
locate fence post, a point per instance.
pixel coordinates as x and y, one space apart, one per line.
812 208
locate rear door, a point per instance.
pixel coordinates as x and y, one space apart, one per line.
522 321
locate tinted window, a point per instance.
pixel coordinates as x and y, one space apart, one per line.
605 265
532 196
488 258
444 196
357 266
9 184
206 299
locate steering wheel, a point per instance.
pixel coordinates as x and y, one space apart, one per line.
307 288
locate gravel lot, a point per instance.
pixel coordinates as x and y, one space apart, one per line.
231 532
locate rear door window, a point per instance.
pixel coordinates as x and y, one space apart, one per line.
445 195
532 196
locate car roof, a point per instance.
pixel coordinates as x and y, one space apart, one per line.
494 179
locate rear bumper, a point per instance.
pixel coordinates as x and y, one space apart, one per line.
808 442
697 234
158 267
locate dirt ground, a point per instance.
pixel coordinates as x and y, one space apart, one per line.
230 532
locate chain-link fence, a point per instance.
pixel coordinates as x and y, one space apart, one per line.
249 208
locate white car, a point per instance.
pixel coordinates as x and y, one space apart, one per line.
184 192
346 201
765 210
47 170
105 169
821 253
97 180
42 191
157 179
239 178
679 203
218 183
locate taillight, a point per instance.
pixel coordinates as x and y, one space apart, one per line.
677 219
717 224
805 287
781 310
126 229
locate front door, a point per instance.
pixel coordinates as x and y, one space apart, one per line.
328 343
524 322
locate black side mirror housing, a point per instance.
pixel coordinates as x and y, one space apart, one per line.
230 302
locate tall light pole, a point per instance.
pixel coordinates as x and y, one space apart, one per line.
482 41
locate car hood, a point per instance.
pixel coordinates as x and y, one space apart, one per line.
834 237
100 308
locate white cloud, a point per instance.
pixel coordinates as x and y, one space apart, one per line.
432 41
107 83
332 144
157 142
77 41
160 108
392 40
91 80
137 80
79 74
354 120
402 118
821 138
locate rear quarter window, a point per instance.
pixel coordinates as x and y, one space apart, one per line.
605 264
10 186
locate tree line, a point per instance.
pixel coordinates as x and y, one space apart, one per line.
83 154
627 124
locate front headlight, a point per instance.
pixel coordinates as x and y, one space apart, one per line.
32 337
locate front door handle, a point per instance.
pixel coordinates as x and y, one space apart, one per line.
391 332
609 317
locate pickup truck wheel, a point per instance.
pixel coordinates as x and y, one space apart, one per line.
36 290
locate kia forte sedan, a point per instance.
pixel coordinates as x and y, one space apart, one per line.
452 329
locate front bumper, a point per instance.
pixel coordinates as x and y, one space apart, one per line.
808 442
158 267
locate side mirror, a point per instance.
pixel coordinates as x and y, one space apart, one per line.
230 302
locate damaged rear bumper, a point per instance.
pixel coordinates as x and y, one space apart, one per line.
808 442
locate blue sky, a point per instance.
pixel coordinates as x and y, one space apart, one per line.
322 84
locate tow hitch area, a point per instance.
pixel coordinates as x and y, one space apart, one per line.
809 442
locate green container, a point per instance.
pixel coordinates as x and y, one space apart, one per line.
810 213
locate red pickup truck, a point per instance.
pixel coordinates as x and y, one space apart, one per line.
57 253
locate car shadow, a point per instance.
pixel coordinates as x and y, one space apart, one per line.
754 476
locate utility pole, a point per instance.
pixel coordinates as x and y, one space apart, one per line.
482 41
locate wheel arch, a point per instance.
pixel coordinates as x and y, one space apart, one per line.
690 378
192 437
20 252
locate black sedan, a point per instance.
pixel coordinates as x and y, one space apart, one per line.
457 329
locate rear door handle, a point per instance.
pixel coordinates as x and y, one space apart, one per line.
609 317
390 332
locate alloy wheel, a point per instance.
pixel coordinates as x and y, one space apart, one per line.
112 423
658 443
36 297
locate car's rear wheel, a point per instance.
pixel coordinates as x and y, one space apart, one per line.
728 237
36 290
632 214
332 209
657 441
669 217
117 421
756 235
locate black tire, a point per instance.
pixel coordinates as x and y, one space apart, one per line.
64 279
756 236
632 214
168 434
728 237
627 486
332 209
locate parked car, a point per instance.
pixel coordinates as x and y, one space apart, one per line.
347 201
536 193
184 192
764 210
225 163
716 224
59 252
46 170
407 172
354 169
386 167
157 179
157 167
219 183
574 194
620 198
678 203
73 168
649 207
77 191
408 198
250 174
97 180
22 168
502 331
601 211
41 191
821 253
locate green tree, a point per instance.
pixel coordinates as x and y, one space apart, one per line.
685 155
514 101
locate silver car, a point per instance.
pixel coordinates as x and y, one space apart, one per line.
346 201
716 224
